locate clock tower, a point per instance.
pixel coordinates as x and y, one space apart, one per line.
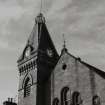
35 66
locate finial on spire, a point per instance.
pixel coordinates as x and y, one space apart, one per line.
64 42
40 18
64 45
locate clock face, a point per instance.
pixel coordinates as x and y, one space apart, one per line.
27 52
49 52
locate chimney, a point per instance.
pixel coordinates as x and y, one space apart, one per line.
8 99
11 99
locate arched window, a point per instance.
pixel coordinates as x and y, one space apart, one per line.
65 96
27 87
56 101
76 98
96 100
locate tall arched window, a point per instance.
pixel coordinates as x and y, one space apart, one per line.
96 100
76 98
27 87
56 101
65 96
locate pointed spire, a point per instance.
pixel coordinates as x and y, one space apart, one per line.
39 39
35 34
64 45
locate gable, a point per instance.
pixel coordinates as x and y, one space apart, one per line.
78 76
70 60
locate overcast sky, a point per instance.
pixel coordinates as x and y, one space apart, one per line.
82 22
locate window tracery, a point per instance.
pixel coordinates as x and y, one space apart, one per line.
65 96
27 87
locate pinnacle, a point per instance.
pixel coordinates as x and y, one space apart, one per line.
40 18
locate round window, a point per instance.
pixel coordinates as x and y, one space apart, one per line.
64 66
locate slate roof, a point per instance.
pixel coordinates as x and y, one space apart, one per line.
39 39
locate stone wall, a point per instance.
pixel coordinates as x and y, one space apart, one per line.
78 77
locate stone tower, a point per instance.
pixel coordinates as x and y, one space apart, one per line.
35 65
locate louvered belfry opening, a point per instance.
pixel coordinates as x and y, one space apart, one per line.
27 87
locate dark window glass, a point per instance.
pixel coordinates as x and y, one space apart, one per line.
96 100
76 98
56 101
65 96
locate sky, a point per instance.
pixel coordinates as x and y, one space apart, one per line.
82 22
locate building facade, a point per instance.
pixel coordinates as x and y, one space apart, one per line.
45 78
